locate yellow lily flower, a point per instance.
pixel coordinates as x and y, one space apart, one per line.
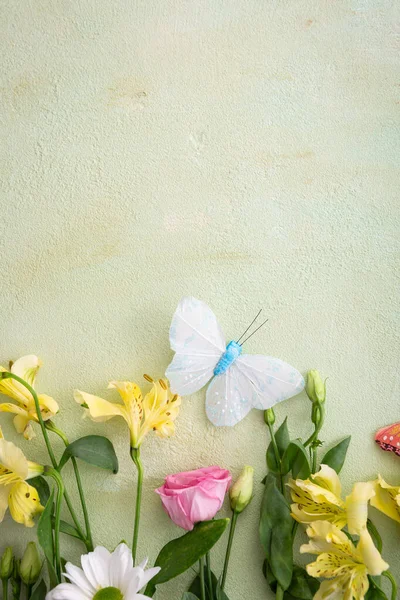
157 411
21 498
319 499
27 368
345 566
387 498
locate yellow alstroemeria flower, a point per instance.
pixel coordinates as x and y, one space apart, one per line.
27 368
319 499
344 565
387 498
21 498
157 411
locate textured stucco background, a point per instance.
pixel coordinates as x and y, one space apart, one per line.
244 152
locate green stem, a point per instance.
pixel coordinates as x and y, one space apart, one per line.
279 593
279 590
51 427
393 582
5 589
202 582
49 472
229 548
135 454
277 455
209 578
29 588
375 535
8 375
314 459
318 420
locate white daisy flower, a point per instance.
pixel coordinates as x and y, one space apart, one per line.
104 576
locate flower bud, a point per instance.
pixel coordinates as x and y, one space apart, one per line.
31 565
6 564
16 580
269 416
315 387
241 492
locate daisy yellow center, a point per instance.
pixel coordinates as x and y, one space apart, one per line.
108 593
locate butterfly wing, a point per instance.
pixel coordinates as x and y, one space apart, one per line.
198 342
229 397
388 438
273 380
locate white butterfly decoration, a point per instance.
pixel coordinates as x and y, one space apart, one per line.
239 383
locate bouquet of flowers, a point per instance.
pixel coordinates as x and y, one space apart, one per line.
300 486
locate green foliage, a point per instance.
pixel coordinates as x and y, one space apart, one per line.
374 593
275 531
282 441
42 487
302 586
67 529
296 459
181 553
218 594
45 539
336 456
189 596
39 592
96 450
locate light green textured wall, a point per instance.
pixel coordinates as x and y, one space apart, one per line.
244 152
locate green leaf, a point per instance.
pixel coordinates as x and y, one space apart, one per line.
374 592
42 487
282 441
336 456
302 586
39 592
181 553
45 538
67 529
276 532
189 596
218 593
93 449
295 459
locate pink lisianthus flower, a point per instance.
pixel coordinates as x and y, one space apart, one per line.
194 496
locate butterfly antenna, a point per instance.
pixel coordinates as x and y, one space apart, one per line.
259 327
253 321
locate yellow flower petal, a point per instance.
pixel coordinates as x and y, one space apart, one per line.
13 464
24 503
15 390
161 408
132 398
27 368
370 555
13 408
34 469
341 588
48 406
329 479
4 491
130 393
386 499
100 410
325 537
23 425
313 502
338 559
357 506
